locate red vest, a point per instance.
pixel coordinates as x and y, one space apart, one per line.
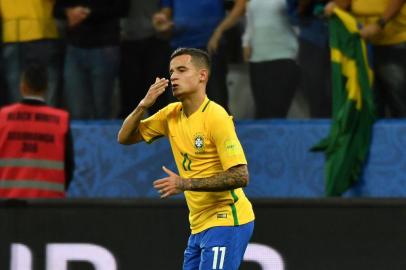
32 151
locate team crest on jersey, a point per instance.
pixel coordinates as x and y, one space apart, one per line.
199 143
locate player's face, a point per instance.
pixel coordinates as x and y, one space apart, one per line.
184 76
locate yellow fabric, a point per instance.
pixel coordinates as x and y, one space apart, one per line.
348 20
349 66
203 144
27 20
369 11
350 71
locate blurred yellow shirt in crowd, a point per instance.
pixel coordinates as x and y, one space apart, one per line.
27 20
369 11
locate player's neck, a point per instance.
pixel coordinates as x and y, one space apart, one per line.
193 103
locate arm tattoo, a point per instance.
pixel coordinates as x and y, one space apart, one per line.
235 177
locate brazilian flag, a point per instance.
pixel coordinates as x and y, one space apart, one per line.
347 145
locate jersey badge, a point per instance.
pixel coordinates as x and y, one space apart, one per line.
199 143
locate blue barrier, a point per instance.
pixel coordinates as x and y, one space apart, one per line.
277 151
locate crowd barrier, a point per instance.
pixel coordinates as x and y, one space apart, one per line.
311 234
277 151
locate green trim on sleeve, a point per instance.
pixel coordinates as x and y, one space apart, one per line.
205 106
154 139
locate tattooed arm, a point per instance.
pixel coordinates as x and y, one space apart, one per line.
235 177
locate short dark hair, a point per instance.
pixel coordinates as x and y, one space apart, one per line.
35 76
199 57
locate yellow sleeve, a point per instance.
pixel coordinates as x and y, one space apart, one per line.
154 127
228 146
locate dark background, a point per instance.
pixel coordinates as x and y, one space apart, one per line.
325 234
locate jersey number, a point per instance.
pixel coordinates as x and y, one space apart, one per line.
216 251
187 162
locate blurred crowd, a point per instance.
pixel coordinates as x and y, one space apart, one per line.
94 47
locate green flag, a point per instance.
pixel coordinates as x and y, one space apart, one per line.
347 145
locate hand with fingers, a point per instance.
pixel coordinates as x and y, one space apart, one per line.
76 15
170 185
154 92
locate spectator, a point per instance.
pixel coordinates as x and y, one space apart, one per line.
143 56
383 23
313 57
92 56
201 24
36 158
30 35
270 45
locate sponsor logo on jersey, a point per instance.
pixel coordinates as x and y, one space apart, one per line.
221 215
232 147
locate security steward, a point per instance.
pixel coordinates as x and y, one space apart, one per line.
36 158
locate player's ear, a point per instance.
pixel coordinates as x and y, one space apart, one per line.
204 75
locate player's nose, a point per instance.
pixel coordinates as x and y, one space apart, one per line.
173 78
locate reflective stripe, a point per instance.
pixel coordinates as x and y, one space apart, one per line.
26 162
35 184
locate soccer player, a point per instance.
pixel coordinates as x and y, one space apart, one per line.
209 157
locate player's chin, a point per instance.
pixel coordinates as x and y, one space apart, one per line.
177 93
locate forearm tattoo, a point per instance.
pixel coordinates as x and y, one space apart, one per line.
234 177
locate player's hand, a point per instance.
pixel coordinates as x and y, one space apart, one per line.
154 92
170 185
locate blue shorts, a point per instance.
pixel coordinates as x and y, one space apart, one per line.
218 248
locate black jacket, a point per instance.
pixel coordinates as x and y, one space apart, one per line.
101 28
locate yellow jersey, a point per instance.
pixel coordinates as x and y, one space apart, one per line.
369 11
203 144
24 20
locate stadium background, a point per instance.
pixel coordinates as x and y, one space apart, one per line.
112 206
